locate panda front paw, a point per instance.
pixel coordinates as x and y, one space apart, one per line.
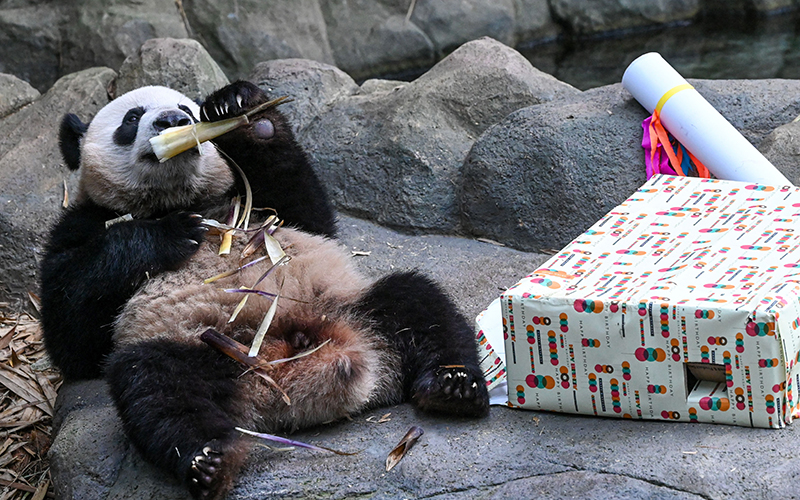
231 100
457 390
182 234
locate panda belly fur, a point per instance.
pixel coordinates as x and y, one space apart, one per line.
319 289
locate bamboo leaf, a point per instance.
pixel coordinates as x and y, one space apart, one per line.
262 329
403 447
290 442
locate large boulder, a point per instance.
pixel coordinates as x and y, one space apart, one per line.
30 42
782 148
373 37
183 65
241 33
392 153
449 24
548 172
312 86
14 94
105 32
33 177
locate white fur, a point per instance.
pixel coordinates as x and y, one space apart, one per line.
130 179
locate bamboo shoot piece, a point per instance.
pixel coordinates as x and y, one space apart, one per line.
176 140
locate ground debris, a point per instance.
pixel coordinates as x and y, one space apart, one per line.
27 398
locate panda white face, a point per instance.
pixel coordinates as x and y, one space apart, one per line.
119 169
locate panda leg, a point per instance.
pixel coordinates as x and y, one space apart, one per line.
441 370
178 404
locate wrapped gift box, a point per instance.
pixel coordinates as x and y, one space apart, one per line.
681 304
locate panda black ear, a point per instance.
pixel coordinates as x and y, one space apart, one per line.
69 140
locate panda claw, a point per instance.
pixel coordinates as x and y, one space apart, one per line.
456 391
239 100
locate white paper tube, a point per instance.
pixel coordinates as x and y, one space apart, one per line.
696 124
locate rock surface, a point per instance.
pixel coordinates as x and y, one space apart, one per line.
593 16
392 152
241 33
183 65
32 176
14 94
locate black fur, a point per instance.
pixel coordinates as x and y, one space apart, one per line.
174 401
69 136
284 179
125 134
89 272
441 369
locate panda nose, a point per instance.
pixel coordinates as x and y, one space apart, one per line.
170 119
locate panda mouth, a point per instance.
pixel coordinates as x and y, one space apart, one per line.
151 157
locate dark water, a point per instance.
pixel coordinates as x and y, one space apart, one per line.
751 47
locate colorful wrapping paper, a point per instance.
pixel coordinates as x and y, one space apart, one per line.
681 304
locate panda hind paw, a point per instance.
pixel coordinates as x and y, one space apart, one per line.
210 472
455 390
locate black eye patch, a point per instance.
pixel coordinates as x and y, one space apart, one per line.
188 111
125 134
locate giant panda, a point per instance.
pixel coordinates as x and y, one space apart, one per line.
124 298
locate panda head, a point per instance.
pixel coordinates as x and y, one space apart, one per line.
118 169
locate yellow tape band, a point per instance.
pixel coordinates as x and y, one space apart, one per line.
671 92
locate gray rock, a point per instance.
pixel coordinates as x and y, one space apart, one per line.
105 32
782 149
373 37
14 94
32 175
241 33
449 24
596 16
727 6
30 42
312 85
533 21
183 65
394 156
548 172
42 41
91 457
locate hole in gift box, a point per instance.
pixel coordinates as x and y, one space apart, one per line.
706 385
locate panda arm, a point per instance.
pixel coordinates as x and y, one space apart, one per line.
89 272
277 168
